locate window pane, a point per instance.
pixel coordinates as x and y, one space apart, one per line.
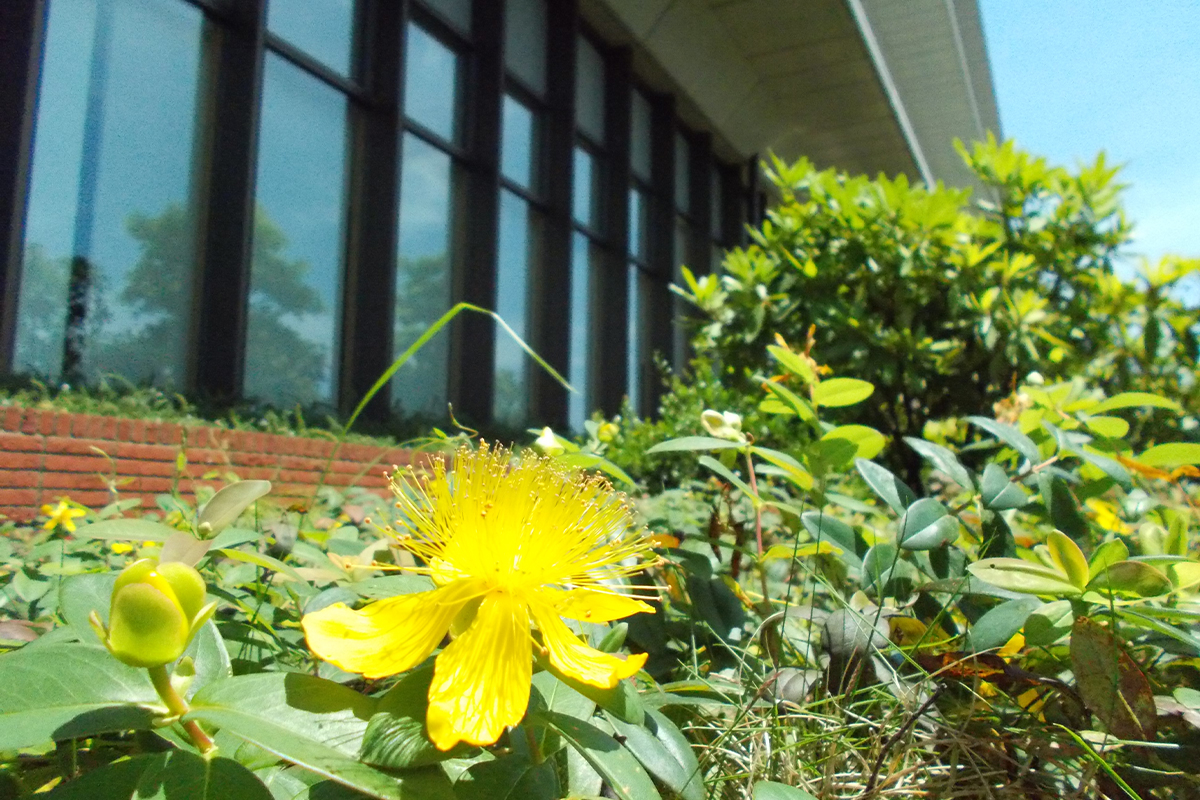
718 206
110 193
525 42
584 268
640 144
633 367
518 149
423 276
322 28
638 210
589 91
683 174
431 83
586 191
456 12
516 277
296 272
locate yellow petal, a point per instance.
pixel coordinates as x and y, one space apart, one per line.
481 681
387 636
593 606
577 660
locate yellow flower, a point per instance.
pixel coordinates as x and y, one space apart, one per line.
62 515
509 547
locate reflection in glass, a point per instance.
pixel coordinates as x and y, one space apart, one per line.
525 42
431 83
423 276
584 258
589 91
296 270
640 133
456 12
636 339
110 226
683 174
322 28
517 144
585 192
638 211
515 278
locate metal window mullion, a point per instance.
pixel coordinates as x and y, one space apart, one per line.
610 306
24 25
230 125
549 399
370 277
473 349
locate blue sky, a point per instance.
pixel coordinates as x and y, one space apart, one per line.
1074 77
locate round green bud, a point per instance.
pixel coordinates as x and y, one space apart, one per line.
146 626
188 586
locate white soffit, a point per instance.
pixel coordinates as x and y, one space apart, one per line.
805 77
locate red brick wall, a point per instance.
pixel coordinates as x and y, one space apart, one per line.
45 455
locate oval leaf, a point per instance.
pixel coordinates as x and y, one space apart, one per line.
1067 556
1001 623
1136 578
1110 683
1135 400
229 503
839 392
1166 456
890 489
867 441
926 525
693 443
1018 575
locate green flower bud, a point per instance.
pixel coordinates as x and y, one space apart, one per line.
156 609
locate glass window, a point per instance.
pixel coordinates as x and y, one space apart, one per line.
423 276
640 144
518 144
636 337
110 221
639 208
520 229
431 82
683 174
717 209
586 191
296 271
456 12
589 90
525 42
322 28
584 268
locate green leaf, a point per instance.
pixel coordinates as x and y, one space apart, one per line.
793 363
395 736
1049 623
173 775
313 723
727 474
126 530
770 790
625 776
890 489
1011 436
1064 511
1106 555
228 504
781 395
664 752
1110 683
839 392
60 691
1172 455
1136 578
509 778
593 461
264 561
1135 400
790 466
825 527
1069 559
998 492
868 442
943 459
622 699
1108 427
559 697
697 443
1001 623
926 525
1018 575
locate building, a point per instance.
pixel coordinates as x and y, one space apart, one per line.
273 198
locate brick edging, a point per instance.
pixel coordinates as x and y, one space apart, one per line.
48 454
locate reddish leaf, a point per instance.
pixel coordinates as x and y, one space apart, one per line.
1110 684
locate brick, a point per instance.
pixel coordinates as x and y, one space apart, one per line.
21 443
301 463
19 478
22 461
19 500
73 446
146 452
108 428
241 458
73 480
61 424
10 417
198 436
169 433
55 462
30 422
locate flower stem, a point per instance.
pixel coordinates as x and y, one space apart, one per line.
178 707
